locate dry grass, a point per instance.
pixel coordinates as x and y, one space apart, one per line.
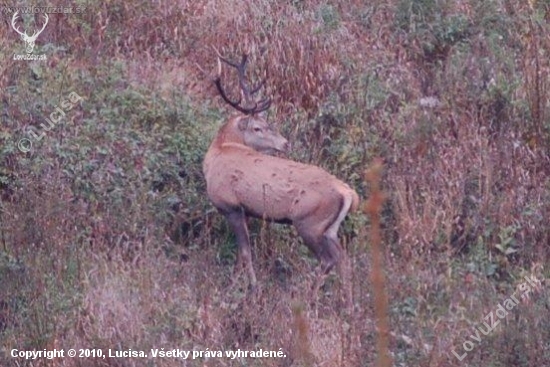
108 240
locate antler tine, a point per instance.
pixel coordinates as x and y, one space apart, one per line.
263 105
235 105
241 71
234 64
260 84
218 82
258 107
257 87
242 79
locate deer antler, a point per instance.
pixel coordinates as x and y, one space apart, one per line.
24 34
246 92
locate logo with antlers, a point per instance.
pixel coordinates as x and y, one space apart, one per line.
29 40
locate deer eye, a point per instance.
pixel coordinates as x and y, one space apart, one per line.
257 129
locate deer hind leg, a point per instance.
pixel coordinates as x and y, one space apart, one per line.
237 221
332 250
338 255
321 235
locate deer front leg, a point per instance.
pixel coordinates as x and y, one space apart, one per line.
237 221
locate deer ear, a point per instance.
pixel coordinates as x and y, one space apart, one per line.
243 123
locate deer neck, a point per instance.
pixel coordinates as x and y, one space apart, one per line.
229 133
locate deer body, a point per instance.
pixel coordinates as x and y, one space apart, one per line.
266 186
243 179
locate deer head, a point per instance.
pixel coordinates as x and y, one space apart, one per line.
252 129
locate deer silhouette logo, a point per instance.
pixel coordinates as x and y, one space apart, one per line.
29 40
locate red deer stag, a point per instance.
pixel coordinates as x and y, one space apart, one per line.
244 180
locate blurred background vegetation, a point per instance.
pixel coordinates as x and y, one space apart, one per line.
107 239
